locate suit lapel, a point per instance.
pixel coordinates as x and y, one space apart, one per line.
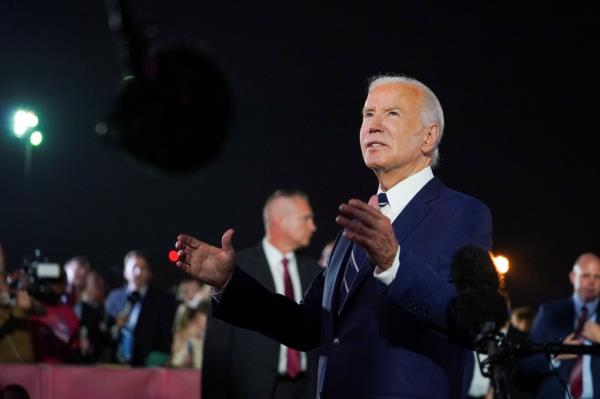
334 272
414 212
304 272
262 271
568 317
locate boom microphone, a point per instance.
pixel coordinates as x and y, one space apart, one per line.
479 303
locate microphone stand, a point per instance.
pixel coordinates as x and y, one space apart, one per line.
500 351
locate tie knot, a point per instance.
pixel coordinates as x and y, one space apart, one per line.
583 316
382 199
133 297
285 262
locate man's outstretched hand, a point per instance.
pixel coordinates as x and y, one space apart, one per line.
210 264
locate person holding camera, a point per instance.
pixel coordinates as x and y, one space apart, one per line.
15 329
56 328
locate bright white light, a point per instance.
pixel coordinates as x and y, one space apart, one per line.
501 264
36 138
23 121
32 119
20 123
19 130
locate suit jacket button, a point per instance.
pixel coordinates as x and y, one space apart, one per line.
336 341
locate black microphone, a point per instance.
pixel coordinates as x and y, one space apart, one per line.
481 310
480 307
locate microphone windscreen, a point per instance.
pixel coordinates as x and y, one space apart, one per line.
472 266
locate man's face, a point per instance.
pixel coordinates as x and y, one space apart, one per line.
298 223
585 278
95 287
189 290
392 134
137 271
76 273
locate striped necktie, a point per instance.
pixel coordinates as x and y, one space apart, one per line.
355 260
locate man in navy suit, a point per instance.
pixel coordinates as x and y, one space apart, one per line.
572 321
379 313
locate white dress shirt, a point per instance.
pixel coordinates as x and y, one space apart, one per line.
274 258
398 197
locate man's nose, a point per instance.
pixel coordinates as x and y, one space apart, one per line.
375 124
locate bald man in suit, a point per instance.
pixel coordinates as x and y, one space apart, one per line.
243 364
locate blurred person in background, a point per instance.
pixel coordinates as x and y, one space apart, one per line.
76 269
191 293
188 337
14 391
55 331
94 339
522 318
15 328
140 316
570 321
325 254
243 364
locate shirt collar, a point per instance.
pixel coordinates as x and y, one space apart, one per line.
274 256
591 306
142 291
400 195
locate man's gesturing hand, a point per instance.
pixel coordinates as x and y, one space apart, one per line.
209 264
367 226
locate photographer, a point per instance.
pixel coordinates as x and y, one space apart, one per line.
15 328
55 331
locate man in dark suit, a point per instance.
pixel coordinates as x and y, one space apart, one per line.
572 321
240 363
380 312
140 316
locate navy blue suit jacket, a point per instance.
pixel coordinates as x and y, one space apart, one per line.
553 322
388 341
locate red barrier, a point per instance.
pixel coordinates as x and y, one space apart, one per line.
48 382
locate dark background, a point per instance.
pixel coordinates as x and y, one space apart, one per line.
518 89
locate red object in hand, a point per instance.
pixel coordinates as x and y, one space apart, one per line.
173 256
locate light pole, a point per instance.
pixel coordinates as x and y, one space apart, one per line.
24 123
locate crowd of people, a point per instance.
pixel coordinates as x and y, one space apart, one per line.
71 318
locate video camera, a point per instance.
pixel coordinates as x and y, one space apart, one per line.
36 276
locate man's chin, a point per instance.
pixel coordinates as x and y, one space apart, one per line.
373 164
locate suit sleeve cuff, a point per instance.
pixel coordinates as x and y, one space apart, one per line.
387 276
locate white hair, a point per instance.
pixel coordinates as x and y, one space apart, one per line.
431 111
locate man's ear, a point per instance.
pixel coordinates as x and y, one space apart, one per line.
430 139
572 277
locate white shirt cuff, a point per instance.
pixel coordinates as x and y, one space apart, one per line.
387 276
216 293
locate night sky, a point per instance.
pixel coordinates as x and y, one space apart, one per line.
518 90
